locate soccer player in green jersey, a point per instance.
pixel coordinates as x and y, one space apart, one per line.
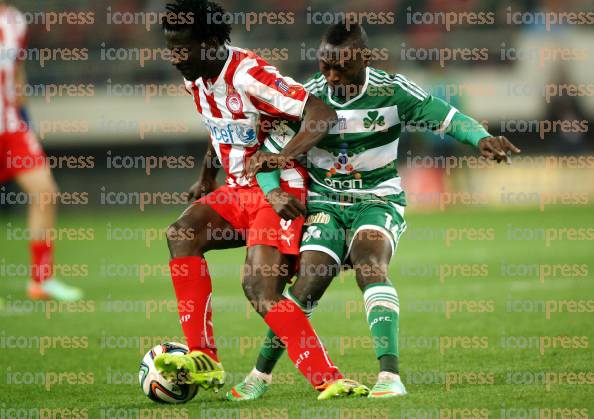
356 203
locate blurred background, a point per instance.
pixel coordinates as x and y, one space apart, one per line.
508 66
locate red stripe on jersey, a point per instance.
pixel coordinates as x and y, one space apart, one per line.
269 109
214 109
196 97
225 150
237 58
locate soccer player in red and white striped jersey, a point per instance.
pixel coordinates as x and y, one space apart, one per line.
242 100
23 160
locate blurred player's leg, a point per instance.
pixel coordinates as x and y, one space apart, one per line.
38 183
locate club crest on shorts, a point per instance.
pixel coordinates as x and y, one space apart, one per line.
234 103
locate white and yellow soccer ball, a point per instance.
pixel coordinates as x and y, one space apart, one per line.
155 386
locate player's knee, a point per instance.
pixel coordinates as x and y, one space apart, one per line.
370 268
260 293
182 240
252 291
45 185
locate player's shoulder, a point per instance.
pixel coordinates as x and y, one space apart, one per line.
399 82
315 84
245 61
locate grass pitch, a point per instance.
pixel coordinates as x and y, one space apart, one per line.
496 320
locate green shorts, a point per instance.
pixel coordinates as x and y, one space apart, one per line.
331 228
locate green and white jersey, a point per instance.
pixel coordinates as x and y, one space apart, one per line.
356 161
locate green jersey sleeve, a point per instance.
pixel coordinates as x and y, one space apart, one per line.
417 107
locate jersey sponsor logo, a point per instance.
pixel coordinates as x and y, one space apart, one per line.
344 184
319 218
342 162
227 131
234 103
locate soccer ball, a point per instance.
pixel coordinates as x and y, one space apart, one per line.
157 388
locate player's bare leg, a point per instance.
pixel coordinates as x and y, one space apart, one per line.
40 187
263 285
316 272
370 256
198 230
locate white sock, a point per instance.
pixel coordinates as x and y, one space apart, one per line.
387 376
267 378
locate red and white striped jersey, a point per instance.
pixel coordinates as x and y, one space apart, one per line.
247 102
13 31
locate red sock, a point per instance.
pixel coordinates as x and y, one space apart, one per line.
304 347
193 290
42 260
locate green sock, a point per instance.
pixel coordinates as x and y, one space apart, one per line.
272 348
382 308
270 352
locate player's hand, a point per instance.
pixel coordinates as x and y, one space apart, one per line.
263 161
497 148
287 206
200 188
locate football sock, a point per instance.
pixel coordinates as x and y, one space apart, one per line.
193 290
42 264
382 309
304 347
272 348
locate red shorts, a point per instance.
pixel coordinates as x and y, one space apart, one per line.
248 211
19 151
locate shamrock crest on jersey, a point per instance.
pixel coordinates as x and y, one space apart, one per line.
372 120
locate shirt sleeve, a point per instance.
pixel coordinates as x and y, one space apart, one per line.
269 91
417 107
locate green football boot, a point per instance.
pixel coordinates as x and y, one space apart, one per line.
388 385
251 388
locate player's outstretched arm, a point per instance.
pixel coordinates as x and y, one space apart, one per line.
206 182
316 122
418 107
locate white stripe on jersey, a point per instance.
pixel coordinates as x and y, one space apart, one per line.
13 28
235 131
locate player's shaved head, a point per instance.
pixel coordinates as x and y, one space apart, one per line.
342 34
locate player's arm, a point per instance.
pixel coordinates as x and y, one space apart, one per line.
286 205
282 97
418 108
206 182
315 124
